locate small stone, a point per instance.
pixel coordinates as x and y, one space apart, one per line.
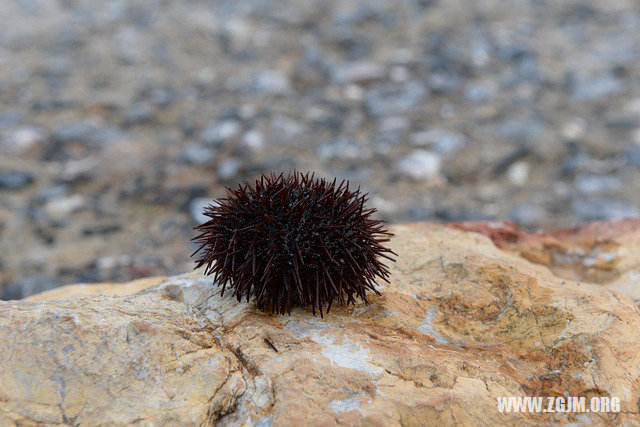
22 139
518 173
596 210
420 164
480 91
272 83
358 72
528 215
254 140
229 169
592 184
216 133
28 286
394 98
85 132
596 88
61 207
197 155
139 113
197 206
440 140
15 179
527 129
443 83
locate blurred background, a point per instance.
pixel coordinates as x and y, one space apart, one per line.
120 120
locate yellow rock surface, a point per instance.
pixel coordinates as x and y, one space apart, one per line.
461 323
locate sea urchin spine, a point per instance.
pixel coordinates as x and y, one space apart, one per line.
293 241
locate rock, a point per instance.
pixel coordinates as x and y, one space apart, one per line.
527 215
394 98
420 164
522 129
197 155
22 139
229 169
272 82
441 140
480 91
594 210
61 207
358 72
596 88
216 133
28 286
86 132
139 113
461 323
197 206
592 184
15 179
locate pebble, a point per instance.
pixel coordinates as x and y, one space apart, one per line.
21 140
197 207
139 113
596 210
394 98
218 132
61 207
420 165
85 132
518 173
358 72
29 285
527 215
254 140
15 179
477 92
593 184
596 88
229 169
440 140
521 129
197 155
272 82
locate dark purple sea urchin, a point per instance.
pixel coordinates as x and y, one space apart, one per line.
293 241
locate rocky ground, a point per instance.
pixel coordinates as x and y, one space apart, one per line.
465 319
119 120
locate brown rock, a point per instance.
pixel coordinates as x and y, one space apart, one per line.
462 323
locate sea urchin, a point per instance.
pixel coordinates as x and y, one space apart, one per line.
293 241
